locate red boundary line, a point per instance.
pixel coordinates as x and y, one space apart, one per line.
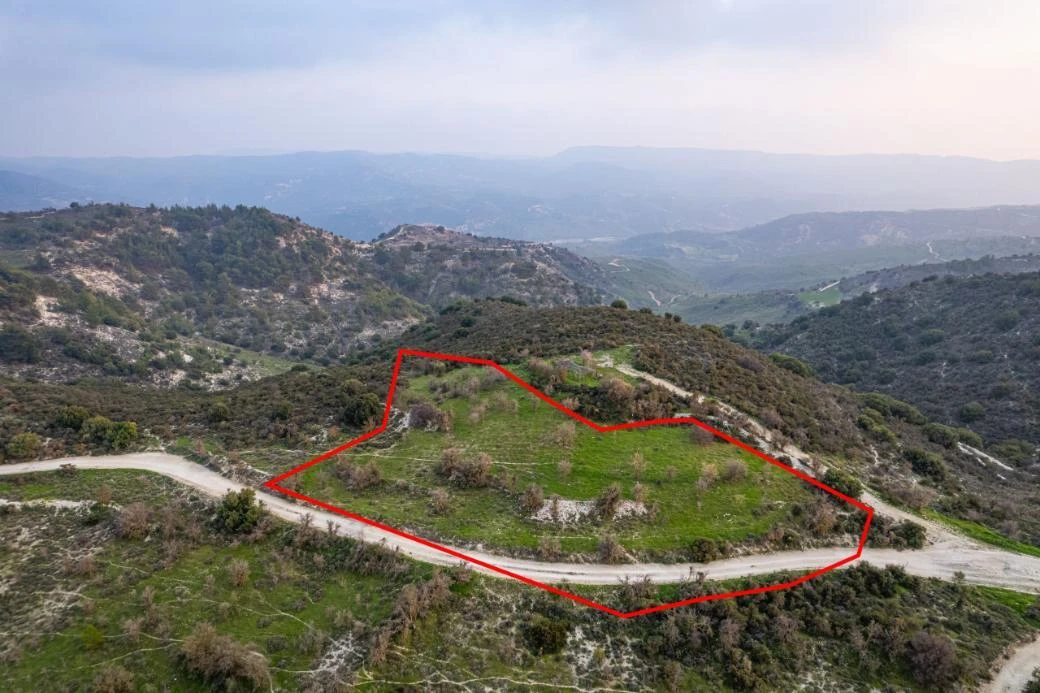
687 420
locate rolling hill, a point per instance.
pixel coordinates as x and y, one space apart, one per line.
963 349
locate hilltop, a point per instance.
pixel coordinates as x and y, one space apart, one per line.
437 266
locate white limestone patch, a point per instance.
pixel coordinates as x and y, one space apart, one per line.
567 512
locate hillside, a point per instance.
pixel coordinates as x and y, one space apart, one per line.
878 438
438 266
806 249
781 306
964 350
211 296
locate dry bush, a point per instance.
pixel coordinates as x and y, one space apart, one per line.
475 473
440 501
608 502
222 660
476 414
699 436
132 629
571 403
133 521
618 391
565 435
104 494
610 550
84 566
113 679
427 417
914 496
564 468
709 475
824 517
238 572
671 473
587 359
639 493
735 470
549 549
312 641
638 464
490 378
359 477
532 499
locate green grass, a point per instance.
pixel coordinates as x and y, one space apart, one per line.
821 299
284 599
525 451
983 533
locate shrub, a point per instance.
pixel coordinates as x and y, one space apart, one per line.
221 660
735 470
24 446
925 463
941 435
545 636
532 499
72 417
972 411
238 572
607 503
933 659
566 434
700 436
610 550
619 303
792 364
360 408
133 521
239 511
425 416
113 679
842 482
440 501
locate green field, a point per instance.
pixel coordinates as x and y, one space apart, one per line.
522 437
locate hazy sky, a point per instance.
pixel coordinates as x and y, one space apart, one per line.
135 77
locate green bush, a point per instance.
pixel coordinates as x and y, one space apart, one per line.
843 482
792 364
546 635
239 512
925 463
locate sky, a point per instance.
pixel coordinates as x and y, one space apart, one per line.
521 78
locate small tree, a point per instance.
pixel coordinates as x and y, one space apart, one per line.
619 303
239 511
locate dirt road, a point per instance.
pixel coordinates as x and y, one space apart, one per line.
943 558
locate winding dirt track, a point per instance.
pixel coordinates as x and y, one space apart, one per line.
946 555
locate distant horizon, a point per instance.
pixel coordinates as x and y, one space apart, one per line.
261 152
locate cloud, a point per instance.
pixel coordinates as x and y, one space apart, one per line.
521 78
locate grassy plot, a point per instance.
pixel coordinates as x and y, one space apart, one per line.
677 490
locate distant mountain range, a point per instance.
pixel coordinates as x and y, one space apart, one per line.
581 193
803 250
